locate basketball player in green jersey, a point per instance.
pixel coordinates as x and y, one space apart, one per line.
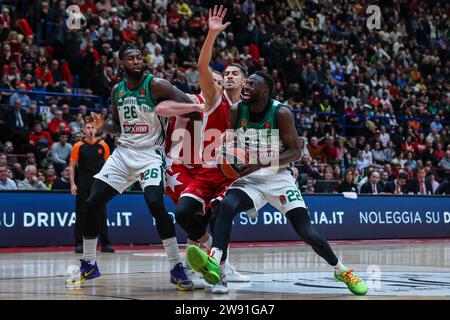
138 157
267 129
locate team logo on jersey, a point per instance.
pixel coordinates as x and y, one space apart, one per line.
142 92
282 199
135 128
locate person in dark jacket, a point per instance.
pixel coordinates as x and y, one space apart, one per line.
347 185
420 185
374 185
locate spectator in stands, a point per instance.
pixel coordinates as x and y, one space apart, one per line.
31 181
315 150
327 184
347 184
352 148
20 96
40 140
398 186
66 115
445 162
63 182
3 160
60 153
420 185
308 187
361 162
5 182
374 185
77 125
444 187
54 125
389 152
434 184
378 154
45 75
51 176
41 176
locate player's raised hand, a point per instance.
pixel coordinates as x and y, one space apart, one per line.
215 20
96 119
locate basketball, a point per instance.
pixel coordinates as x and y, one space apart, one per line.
228 160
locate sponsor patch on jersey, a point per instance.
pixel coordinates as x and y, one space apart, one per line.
142 92
283 199
135 128
121 94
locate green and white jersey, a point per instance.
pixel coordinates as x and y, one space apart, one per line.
262 138
140 126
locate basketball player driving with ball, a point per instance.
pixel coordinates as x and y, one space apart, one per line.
258 117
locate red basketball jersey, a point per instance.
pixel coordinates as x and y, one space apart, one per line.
215 122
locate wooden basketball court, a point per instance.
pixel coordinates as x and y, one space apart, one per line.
393 269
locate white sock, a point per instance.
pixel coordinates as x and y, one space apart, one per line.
172 251
340 267
208 243
90 250
227 260
188 244
216 253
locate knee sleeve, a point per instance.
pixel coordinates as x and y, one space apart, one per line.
187 217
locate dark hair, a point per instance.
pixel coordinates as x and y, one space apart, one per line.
129 46
267 78
402 176
240 67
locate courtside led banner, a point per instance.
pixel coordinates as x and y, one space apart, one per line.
48 218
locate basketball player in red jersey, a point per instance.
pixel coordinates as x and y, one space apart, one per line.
202 183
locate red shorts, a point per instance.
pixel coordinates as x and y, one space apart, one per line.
178 177
207 185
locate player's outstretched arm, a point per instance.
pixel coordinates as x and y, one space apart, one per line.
171 108
215 25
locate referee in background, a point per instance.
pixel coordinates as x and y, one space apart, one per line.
86 160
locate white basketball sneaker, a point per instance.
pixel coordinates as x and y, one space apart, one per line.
197 280
233 275
221 287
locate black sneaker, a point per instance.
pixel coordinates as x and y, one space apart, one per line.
107 248
79 248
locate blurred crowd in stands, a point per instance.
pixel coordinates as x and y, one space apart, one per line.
372 106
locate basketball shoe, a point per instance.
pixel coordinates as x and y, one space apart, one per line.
87 271
180 278
201 262
353 282
221 287
233 275
197 280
